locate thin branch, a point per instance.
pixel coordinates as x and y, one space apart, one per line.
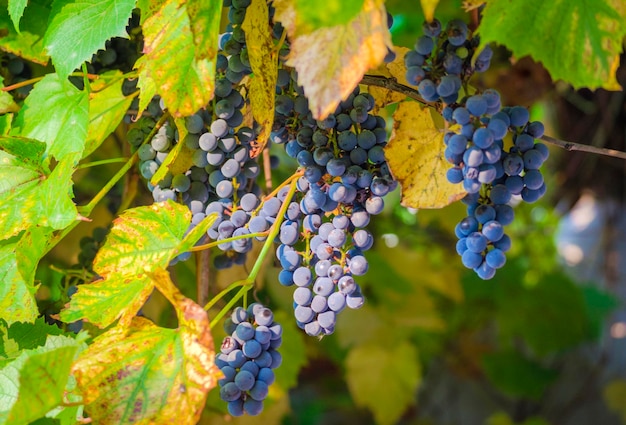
390 83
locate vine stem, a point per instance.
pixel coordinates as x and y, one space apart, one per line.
231 239
248 283
393 85
101 162
37 79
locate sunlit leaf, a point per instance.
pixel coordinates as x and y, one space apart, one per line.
27 151
583 52
179 159
7 104
31 197
79 28
18 262
264 64
16 10
26 336
383 378
43 371
395 70
55 112
28 43
146 374
142 240
331 61
415 157
314 14
171 61
204 16
107 108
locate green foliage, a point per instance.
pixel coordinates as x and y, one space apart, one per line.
578 41
77 29
315 14
28 42
16 10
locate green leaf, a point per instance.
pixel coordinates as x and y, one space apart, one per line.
150 7
146 374
578 41
142 241
18 262
598 305
107 108
383 378
314 14
27 336
25 150
517 376
16 10
7 104
171 61
43 371
28 43
30 198
79 28
205 26
55 113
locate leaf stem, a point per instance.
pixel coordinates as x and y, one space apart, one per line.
223 292
392 84
37 79
85 79
231 239
101 162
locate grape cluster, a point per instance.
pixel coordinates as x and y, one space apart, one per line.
14 70
491 174
442 60
247 358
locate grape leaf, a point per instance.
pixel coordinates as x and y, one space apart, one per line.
7 104
393 70
28 42
79 28
331 61
150 7
578 41
27 336
55 112
314 14
147 87
429 6
517 376
25 150
31 197
18 262
383 378
146 374
264 64
142 240
171 61
107 108
205 27
415 157
16 10
43 371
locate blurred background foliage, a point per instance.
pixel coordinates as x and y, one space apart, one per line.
544 342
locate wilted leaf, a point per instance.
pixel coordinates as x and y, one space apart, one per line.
331 61
264 64
415 157
585 50
142 241
28 43
43 372
55 112
79 28
30 197
383 378
171 61
146 374
179 159
107 108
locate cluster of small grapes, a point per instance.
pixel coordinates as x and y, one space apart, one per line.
120 52
345 179
492 175
14 70
247 358
233 42
442 60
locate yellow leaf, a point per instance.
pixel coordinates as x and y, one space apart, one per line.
469 5
429 6
144 374
614 395
415 157
179 159
396 70
264 64
331 61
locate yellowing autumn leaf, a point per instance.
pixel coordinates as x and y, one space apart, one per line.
144 374
395 70
415 157
331 61
264 64
179 159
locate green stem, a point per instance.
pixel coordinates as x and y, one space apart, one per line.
231 239
230 304
101 162
223 292
85 79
